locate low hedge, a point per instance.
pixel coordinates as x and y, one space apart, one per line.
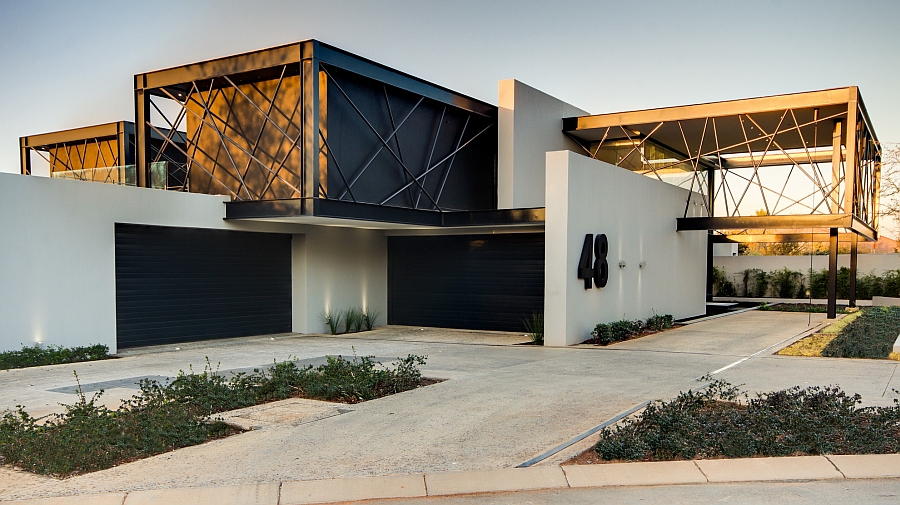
51 355
617 331
713 424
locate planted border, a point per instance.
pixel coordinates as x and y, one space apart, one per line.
51 355
163 417
618 331
869 333
721 421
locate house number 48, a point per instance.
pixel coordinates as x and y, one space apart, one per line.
592 266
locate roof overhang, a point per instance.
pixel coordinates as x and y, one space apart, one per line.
342 213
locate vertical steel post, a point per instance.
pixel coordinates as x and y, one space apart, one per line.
309 80
834 204
854 239
24 156
832 273
141 132
710 267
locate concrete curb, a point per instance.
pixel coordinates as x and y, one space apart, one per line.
803 468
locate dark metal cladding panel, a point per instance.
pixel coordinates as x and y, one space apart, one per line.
479 282
184 284
451 152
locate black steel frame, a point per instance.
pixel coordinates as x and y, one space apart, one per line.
302 131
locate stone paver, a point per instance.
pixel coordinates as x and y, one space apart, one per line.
487 481
94 499
868 466
248 494
634 474
754 469
340 490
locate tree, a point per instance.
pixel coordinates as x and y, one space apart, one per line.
890 186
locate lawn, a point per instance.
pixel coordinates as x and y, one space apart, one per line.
869 333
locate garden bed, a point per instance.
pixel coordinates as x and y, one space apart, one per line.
869 333
722 422
164 417
620 331
51 355
815 308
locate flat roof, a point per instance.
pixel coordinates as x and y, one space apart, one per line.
670 125
257 64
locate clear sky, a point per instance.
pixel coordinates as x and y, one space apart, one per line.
70 63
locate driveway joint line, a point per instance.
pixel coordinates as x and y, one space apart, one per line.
701 471
835 466
757 353
886 386
618 417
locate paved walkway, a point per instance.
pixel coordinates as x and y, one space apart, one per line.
503 404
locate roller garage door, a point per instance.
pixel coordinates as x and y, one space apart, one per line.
480 282
182 284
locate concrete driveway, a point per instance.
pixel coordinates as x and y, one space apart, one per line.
502 405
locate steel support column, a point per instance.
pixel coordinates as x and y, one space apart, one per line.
141 134
832 273
710 268
853 258
25 157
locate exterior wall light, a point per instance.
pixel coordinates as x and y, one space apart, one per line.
642 264
621 264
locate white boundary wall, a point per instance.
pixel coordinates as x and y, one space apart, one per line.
57 258
867 263
529 124
637 214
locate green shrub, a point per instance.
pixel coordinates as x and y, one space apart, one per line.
755 283
332 320
818 283
711 424
534 326
786 283
871 335
353 320
721 285
657 322
51 355
617 331
370 316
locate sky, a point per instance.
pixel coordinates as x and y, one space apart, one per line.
65 64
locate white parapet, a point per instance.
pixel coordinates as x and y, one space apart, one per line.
529 124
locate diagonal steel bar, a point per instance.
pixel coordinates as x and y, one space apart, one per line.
450 165
381 148
371 127
445 158
336 164
431 154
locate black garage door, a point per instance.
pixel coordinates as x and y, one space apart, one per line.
182 284
479 282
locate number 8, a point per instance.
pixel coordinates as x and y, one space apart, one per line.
601 267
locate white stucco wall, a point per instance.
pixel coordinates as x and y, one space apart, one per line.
638 215
529 124
867 263
342 268
57 257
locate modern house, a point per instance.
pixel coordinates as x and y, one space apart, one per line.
255 193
